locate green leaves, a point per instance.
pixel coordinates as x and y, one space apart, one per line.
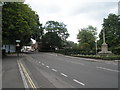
52 39
58 27
111 26
19 22
86 38
56 33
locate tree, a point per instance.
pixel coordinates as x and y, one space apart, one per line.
52 39
70 44
56 33
58 27
111 27
86 38
19 21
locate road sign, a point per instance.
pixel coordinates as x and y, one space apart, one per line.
18 41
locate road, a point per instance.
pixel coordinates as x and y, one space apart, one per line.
51 70
71 72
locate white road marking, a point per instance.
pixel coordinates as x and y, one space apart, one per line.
78 82
64 74
43 64
22 75
83 58
47 66
39 62
108 69
76 62
115 63
54 70
111 63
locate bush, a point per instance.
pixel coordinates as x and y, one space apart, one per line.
69 51
116 50
85 54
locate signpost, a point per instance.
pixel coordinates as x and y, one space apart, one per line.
18 47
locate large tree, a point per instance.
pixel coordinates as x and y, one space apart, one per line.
56 33
52 39
86 38
19 21
111 27
58 27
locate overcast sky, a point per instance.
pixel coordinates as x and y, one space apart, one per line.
76 14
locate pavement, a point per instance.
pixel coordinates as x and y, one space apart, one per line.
10 73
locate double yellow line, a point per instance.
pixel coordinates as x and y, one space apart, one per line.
27 75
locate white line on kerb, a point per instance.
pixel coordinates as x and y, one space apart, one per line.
108 69
64 74
54 70
47 66
78 82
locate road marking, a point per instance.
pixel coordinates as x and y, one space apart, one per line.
76 62
115 63
88 59
28 77
64 74
78 82
111 63
47 66
22 75
54 70
39 62
108 69
43 64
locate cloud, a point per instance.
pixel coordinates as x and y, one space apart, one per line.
44 6
76 14
94 9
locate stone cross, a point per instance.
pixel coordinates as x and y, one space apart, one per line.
103 36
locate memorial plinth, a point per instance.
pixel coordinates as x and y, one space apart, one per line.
104 50
104 47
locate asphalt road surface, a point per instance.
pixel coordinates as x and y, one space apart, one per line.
51 70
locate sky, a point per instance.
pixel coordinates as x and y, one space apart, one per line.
76 14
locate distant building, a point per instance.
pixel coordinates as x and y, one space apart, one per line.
9 48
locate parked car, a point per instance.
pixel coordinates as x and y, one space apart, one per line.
26 49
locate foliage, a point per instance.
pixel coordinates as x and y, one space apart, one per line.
52 39
56 34
83 54
58 27
113 57
19 21
111 27
71 51
70 44
86 38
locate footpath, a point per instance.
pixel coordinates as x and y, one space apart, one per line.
10 72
